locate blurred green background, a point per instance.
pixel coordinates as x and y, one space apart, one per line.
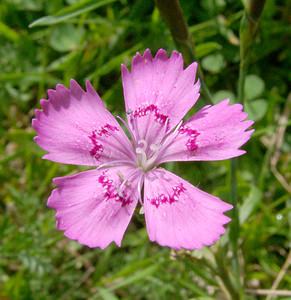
89 40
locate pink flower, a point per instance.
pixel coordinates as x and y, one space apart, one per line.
94 207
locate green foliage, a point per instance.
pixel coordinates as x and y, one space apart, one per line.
213 63
47 42
254 87
66 37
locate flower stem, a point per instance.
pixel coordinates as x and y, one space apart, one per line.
172 12
248 30
224 275
234 226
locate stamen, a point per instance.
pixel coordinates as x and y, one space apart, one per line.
141 152
115 163
139 187
173 131
143 161
151 161
178 126
121 190
167 140
143 143
167 125
111 192
141 157
128 129
133 122
143 111
125 181
155 147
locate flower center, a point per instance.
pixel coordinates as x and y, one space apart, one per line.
146 155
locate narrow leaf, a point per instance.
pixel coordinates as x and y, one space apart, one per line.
70 12
250 204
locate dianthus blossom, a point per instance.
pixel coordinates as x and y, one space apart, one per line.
95 207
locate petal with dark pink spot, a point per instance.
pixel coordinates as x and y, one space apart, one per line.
179 215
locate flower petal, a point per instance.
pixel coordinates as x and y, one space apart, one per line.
154 86
75 128
214 133
180 216
94 207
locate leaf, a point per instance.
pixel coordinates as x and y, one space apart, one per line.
223 94
138 276
192 287
250 204
28 77
66 37
71 11
106 294
254 86
206 48
256 109
213 63
8 32
61 63
116 61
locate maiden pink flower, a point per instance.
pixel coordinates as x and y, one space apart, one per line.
94 207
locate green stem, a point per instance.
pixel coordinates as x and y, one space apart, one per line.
224 275
248 30
234 229
173 15
235 226
241 83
